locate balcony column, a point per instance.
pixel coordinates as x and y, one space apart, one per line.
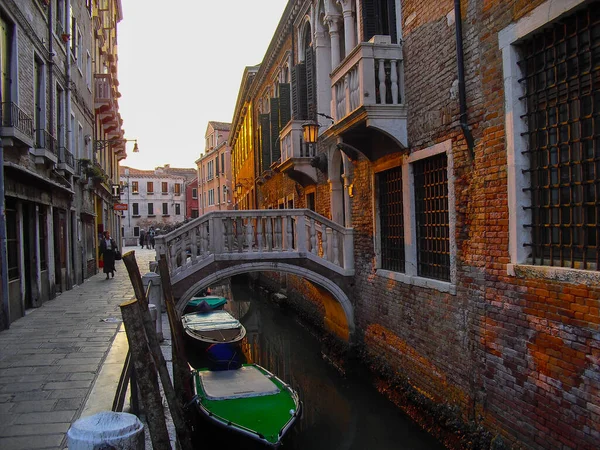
349 28
333 22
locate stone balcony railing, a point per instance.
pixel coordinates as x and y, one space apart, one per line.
370 77
296 155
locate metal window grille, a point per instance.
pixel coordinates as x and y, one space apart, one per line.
432 218
561 67
12 240
389 188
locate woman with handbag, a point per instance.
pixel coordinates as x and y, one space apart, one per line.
108 248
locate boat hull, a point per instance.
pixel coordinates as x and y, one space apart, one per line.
263 416
212 327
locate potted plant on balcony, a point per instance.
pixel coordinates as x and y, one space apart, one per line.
95 174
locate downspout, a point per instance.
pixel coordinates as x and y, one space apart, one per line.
69 140
462 97
3 254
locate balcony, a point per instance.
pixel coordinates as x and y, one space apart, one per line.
368 85
296 155
46 147
66 161
105 96
17 126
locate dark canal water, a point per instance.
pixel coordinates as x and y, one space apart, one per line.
340 411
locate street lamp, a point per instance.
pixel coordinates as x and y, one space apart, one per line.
103 143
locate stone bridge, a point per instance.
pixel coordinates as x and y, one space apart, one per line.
221 244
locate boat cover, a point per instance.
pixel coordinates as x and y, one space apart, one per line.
212 301
244 382
210 321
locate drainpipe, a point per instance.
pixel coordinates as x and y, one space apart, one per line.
462 97
3 254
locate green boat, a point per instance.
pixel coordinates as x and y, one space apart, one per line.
249 401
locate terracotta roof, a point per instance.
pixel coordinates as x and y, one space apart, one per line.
160 172
223 126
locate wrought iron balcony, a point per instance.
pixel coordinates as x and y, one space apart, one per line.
17 124
66 161
369 82
46 147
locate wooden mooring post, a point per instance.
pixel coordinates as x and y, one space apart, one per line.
175 407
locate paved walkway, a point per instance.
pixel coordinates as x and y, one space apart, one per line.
58 363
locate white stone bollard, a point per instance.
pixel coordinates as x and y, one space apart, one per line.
155 298
114 430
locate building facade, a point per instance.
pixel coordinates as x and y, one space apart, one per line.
191 199
214 170
456 140
49 124
155 198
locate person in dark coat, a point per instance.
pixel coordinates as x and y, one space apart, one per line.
108 246
142 238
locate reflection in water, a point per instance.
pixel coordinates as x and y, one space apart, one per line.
340 412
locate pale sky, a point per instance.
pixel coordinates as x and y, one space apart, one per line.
180 66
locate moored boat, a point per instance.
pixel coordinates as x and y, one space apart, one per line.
249 401
212 327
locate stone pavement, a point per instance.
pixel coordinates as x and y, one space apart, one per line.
62 361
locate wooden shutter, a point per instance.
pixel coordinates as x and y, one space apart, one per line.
285 110
275 146
311 84
265 142
299 92
369 18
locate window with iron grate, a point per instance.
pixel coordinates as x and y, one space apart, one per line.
432 217
561 81
391 219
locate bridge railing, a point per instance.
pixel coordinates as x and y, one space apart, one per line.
252 234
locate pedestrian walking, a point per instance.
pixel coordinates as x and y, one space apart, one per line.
151 234
108 247
142 238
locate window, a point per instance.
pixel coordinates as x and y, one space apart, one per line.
432 218
59 26
165 209
135 189
211 197
218 196
165 187
217 166
310 201
150 187
43 239
223 163
210 170
150 209
224 194
136 231
60 117
177 209
177 188
552 100
562 102
194 193
73 28
135 209
12 243
38 99
79 50
195 213
391 213
88 71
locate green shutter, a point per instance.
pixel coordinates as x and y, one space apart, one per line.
369 19
265 142
299 92
311 84
285 110
275 145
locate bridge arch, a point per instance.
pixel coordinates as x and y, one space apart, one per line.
256 266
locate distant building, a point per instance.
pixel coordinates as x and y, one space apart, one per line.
191 199
154 198
214 170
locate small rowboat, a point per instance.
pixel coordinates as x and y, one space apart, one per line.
249 401
212 327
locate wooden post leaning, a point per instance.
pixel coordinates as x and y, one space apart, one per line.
146 371
181 371
183 432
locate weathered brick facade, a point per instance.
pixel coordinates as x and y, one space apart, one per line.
505 345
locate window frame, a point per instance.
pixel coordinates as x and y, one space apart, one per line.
150 187
195 193
165 209
164 187
410 275
151 209
135 187
135 209
516 139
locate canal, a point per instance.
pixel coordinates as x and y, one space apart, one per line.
340 411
